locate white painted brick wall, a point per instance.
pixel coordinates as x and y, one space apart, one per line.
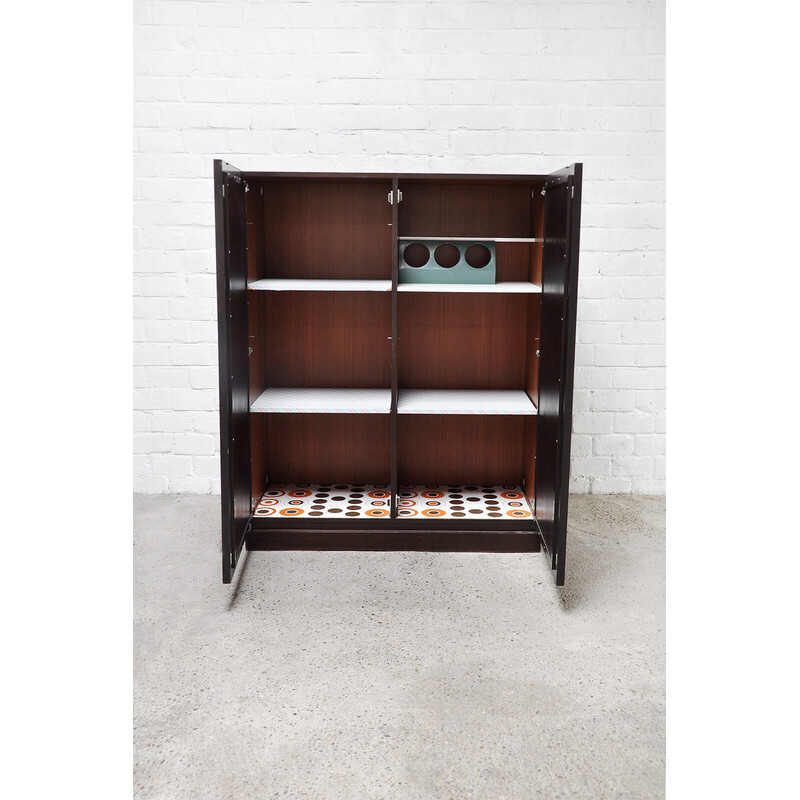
408 86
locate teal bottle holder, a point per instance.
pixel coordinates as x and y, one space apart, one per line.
443 261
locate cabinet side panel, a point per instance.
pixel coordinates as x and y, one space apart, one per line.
537 230
529 460
255 232
557 362
532 388
234 381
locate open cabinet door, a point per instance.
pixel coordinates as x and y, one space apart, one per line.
562 218
234 401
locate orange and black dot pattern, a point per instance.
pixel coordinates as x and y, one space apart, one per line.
463 502
331 501
324 501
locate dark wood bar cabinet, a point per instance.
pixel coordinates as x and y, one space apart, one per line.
396 358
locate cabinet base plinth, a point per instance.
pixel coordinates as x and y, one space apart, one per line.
437 541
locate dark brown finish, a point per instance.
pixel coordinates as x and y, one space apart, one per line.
381 524
234 406
532 389
343 226
394 364
324 339
513 261
328 230
535 251
556 368
465 209
327 448
459 449
532 349
409 177
258 343
260 448
255 233
462 341
529 460
429 541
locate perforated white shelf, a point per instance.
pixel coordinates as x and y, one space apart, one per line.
323 401
505 287
467 239
315 285
464 401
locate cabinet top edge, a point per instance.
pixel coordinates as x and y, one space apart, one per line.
388 176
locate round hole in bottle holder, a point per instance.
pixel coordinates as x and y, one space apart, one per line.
447 255
416 255
477 256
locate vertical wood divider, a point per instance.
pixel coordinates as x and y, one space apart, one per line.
395 271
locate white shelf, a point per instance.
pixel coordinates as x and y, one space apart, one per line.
467 239
504 287
323 401
464 401
317 285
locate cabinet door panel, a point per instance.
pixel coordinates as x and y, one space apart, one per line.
234 378
557 363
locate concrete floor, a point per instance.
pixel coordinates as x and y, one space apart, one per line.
400 675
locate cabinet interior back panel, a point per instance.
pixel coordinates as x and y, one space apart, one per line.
462 341
322 448
460 450
466 209
327 230
323 339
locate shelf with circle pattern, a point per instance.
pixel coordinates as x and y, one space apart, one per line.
504 287
318 285
323 401
304 501
465 401
463 502
324 501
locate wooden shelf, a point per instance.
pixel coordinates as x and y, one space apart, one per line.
504 287
323 401
318 285
465 401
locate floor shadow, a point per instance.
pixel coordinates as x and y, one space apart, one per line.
607 537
